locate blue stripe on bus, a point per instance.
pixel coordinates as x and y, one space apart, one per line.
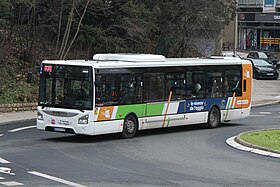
181 108
201 105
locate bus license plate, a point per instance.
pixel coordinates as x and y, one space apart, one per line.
59 129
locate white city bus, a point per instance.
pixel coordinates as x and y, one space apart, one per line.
125 93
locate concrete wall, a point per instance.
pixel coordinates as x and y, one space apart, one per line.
17 107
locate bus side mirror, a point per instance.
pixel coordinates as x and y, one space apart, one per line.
29 77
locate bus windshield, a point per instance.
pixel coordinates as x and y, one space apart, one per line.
65 86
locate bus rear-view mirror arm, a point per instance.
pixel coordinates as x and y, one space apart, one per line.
30 74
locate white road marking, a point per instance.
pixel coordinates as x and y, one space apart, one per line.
3 161
6 170
1 178
11 183
22 128
264 113
256 115
1 135
55 179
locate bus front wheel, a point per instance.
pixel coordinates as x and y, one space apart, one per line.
130 127
213 118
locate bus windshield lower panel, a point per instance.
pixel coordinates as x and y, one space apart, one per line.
65 86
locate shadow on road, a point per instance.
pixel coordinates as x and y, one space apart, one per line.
144 133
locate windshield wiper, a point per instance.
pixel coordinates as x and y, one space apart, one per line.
79 106
44 104
80 109
74 106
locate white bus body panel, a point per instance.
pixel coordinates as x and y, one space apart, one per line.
52 120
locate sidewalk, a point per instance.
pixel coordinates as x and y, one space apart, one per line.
17 116
265 92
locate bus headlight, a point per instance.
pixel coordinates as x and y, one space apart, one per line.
40 116
83 120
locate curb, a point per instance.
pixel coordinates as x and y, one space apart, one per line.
247 144
265 104
232 142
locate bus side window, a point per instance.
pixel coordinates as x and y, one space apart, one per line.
175 82
100 90
195 85
131 89
214 84
233 82
153 87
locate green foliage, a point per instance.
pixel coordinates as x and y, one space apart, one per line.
4 12
18 92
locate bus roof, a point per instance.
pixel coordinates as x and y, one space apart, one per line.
103 61
129 57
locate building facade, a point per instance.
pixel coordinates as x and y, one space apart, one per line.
258 25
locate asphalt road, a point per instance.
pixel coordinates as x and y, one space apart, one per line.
181 156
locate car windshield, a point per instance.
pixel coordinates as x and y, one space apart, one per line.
259 62
65 86
262 55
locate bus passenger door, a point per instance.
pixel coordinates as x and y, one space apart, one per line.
246 89
154 99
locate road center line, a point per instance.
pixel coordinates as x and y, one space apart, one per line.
264 113
22 128
256 115
55 179
3 161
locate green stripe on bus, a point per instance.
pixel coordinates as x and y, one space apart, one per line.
155 109
138 109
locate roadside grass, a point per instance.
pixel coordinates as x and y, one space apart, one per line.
264 138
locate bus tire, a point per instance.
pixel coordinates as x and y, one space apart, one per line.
213 117
130 127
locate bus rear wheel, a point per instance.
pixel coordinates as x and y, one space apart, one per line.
130 127
213 118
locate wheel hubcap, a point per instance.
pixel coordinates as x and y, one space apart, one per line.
213 117
130 126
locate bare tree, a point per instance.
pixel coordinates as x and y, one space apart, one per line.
65 46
